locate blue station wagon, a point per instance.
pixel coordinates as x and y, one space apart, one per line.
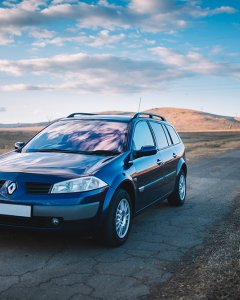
92 173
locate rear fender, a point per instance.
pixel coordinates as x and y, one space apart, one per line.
181 165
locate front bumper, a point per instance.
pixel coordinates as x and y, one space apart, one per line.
83 213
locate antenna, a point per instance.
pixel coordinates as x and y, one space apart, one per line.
139 105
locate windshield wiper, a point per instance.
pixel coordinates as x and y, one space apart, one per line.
54 150
103 152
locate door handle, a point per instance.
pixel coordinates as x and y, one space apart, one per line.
174 155
159 162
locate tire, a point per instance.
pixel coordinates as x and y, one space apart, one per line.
117 226
177 198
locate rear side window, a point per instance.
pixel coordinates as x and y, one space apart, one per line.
160 135
167 135
173 134
142 136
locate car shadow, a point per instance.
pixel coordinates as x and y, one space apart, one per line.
54 240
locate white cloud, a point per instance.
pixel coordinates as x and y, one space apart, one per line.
60 41
5 39
224 9
42 33
216 50
104 38
106 73
169 56
150 16
31 5
152 6
190 62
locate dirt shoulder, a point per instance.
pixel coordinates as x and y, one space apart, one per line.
212 271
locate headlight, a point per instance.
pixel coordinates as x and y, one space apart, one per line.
78 185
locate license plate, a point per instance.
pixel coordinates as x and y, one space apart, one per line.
15 210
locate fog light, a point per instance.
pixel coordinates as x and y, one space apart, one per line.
55 221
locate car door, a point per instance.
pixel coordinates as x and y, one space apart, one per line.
146 176
165 155
173 153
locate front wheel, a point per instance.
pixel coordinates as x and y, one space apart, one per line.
118 223
177 198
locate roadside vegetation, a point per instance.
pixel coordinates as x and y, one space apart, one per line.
206 144
9 137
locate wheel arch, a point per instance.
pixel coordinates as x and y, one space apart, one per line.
182 166
129 187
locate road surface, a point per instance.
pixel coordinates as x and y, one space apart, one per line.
40 266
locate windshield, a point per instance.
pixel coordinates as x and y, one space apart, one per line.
80 136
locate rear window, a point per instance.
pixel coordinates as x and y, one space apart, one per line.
173 134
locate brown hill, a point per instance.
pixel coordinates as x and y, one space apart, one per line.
192 120
183 119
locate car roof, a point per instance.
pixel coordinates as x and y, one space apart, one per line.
118 118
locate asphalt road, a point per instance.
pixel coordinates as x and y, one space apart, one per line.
39 266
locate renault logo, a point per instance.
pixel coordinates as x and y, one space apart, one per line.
12 188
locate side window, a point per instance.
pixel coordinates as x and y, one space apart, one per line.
167 135
142 136
173 134
160 135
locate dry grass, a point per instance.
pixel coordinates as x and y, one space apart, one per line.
198 144
206 144
213 272
9 137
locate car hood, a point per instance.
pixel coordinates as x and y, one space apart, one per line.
55 164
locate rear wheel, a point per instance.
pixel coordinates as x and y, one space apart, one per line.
118 223
177 198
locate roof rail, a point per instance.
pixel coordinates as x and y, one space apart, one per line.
79 113
151 116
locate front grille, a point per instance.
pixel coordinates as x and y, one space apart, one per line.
2 183
38 188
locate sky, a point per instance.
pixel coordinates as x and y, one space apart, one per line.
64 56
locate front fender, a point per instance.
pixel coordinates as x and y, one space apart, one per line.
118 181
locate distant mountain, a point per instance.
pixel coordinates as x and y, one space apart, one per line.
21 125
192 120
188 119
183 119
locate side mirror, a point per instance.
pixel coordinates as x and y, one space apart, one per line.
19 145
146 151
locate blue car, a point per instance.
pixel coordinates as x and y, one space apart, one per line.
92 173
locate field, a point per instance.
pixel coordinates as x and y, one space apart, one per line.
198 144
9 137
202 144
